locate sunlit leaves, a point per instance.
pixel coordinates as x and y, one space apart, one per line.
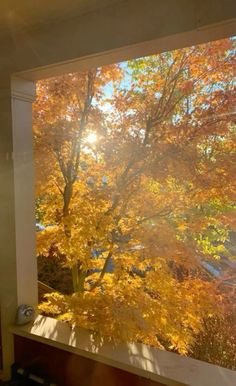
137 212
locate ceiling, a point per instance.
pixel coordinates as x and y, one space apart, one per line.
34 14
39 33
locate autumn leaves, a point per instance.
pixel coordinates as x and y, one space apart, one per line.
148 182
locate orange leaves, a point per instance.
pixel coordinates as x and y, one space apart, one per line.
137 211
228 219
187 87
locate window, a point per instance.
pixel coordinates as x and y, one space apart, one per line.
135 200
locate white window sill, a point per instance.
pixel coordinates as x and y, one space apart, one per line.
157 365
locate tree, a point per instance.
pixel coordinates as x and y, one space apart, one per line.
135 214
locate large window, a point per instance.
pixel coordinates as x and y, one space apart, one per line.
135 200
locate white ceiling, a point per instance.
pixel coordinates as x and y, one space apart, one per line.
33 14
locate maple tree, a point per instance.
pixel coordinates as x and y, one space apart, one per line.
135 188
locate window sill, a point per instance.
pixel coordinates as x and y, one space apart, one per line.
157 365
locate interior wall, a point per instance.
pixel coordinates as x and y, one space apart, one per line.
67 369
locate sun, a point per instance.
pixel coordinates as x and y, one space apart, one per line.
92 138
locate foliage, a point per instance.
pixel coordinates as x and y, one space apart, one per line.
136 212
52 273
216 343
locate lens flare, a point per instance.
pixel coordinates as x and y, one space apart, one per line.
92 138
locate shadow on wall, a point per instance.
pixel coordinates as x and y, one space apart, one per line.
133 354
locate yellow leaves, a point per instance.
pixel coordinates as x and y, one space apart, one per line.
66 317
167 308
179 345
167 163
54 305
45 239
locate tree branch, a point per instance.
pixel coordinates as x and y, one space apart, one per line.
103 272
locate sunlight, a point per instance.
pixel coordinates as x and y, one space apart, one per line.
92 138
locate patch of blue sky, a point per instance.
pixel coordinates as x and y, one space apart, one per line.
110 88
158 94
217 86
127 79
